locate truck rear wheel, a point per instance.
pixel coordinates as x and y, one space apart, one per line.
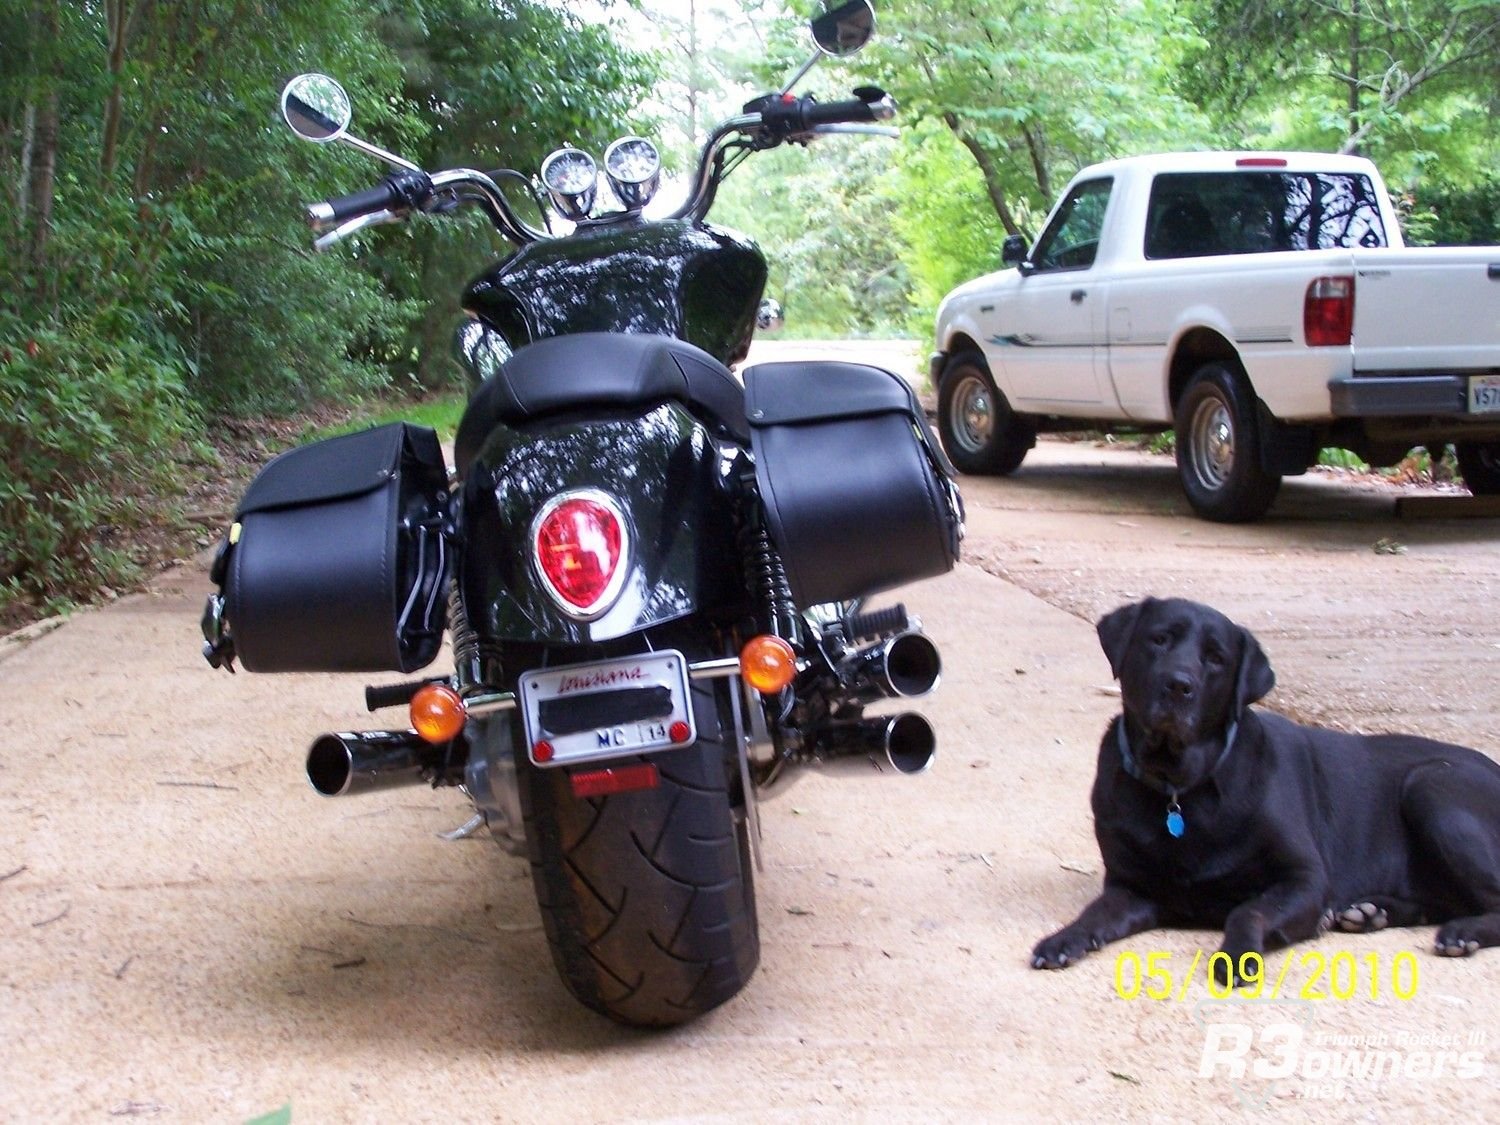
1218 447
1479 462
980 432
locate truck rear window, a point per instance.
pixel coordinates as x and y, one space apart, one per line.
1195 214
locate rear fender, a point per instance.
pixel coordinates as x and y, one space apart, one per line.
674 482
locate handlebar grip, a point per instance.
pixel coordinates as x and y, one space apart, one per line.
383 196
397 191
789 118
394 695
854 110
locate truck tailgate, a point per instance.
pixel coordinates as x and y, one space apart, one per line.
1427 309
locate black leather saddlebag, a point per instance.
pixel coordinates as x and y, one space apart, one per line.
858 495
337 560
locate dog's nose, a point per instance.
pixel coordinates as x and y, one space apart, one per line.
1181 686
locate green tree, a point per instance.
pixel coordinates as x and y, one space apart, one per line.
497 86
153 261
1034 92
1366 65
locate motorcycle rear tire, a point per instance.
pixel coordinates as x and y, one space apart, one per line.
648 897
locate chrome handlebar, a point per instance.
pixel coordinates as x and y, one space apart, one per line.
466 185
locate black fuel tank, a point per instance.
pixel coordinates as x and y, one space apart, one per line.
698 283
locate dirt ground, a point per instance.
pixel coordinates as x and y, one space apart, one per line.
187 933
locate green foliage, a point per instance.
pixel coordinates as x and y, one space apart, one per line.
1036 92
90 419
1458 215
441 412
151 241
949 232
1342 459
823 220
497 86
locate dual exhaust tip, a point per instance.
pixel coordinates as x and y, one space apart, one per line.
346 764
901 667
887 745
342 765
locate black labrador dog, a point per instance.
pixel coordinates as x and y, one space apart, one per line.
1211 814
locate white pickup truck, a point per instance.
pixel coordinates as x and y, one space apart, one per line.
1262 305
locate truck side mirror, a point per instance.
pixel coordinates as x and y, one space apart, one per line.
1013 251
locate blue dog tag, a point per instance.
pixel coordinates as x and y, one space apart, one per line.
1175 824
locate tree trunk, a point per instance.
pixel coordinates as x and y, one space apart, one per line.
115 15
23 182
990 171
42 182
1354 72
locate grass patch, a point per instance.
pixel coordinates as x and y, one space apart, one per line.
441 412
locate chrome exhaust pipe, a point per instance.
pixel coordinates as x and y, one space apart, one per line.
900 667
340 765
901 744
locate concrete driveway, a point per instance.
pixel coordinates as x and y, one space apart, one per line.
187 933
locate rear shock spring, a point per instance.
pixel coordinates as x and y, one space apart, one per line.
766 578
476 664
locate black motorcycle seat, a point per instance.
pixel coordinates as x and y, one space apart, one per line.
609 369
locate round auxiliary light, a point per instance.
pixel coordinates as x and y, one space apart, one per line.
572 180
437 713
634 169
768 663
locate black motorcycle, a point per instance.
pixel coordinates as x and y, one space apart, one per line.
652 576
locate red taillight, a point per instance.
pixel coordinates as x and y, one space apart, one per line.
1328 312
1261 162
580 542
619 779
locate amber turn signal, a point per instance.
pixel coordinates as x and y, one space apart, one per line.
437 713
768 663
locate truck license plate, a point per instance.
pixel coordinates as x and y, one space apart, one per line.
615 708
1484 394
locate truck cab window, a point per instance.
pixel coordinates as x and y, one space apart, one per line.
1072 238
1196 214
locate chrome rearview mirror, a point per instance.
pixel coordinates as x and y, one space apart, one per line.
845 29
318 110
316 107
838 32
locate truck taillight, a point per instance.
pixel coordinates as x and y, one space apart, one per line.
1328 312
579 542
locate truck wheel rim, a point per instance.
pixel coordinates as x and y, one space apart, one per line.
973 414
1212 443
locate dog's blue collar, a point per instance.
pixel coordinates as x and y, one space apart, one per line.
1176 826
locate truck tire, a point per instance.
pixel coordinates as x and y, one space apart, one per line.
980 432
1218 447
647 897
1479 462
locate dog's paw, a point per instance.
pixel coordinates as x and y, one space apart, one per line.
1362 918
1064 948
1230 970
1456 940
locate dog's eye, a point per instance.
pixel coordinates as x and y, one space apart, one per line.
1214 657
1159 638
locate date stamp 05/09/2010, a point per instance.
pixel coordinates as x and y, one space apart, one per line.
1302 975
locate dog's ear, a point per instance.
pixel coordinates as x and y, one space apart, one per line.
1256 678
1115 630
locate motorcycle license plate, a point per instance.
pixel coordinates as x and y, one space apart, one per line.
614 708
